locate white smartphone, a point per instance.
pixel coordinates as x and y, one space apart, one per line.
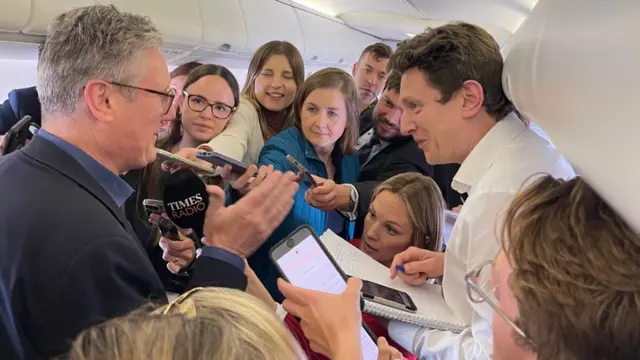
166 156
304 262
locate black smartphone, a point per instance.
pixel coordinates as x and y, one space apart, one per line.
388 296
303 261
152 206
218 159
303 170
19 135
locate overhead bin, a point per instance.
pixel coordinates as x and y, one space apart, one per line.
43 11
331 41
270 20
223 26
178 21
14 14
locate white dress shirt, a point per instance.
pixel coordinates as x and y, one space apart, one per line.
495 170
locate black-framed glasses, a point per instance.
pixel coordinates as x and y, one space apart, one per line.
166 97
199 104
476 294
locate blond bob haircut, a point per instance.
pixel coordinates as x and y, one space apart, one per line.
425 205
202 324
576 273
334 78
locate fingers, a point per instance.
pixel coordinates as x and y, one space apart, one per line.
427 266
384 350
293 293
173 268
216 202
294 308
176 246
354 285
413 279
411 254
245 178
262 174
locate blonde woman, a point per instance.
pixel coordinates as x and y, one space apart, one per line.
203 323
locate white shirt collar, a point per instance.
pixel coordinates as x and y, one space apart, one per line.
485 152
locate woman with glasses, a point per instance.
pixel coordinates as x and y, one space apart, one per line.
276 72
208 101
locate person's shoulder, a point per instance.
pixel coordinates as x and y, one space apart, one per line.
247 108
286 137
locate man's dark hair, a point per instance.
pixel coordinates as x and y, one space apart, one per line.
184 69
393 81
380 51
454 53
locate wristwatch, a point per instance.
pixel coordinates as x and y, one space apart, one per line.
353 194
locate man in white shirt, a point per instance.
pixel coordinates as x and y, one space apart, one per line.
456 110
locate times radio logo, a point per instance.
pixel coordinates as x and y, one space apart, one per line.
187 207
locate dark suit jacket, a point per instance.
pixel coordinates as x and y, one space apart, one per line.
401 156
21 102
68 257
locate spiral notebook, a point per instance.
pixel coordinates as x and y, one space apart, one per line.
432 311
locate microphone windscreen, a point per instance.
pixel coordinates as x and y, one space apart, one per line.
186 200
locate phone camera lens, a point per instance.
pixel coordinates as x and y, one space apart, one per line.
290 243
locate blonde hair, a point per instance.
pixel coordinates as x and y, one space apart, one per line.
259 58
425 205
334 78
576 266
204 323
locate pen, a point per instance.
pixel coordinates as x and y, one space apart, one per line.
400 268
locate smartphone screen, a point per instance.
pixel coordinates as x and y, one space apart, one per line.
307 266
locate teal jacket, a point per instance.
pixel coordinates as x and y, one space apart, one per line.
275 151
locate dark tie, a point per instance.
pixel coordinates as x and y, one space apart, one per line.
365 150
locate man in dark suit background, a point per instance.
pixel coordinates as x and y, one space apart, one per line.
69 258
384 153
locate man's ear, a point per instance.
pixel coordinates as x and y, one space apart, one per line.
99 96
354 68
472 98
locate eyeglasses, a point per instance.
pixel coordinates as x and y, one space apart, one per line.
178 301
476 294
199 104
166 97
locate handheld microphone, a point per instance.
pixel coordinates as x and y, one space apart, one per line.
186 200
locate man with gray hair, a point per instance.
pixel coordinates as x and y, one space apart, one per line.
69 257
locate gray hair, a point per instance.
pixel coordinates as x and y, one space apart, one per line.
92 42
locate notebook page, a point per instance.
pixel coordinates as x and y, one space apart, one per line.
428 297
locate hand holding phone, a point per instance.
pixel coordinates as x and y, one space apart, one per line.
167 228
218 159
302 170
318 282
172 159
332 321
